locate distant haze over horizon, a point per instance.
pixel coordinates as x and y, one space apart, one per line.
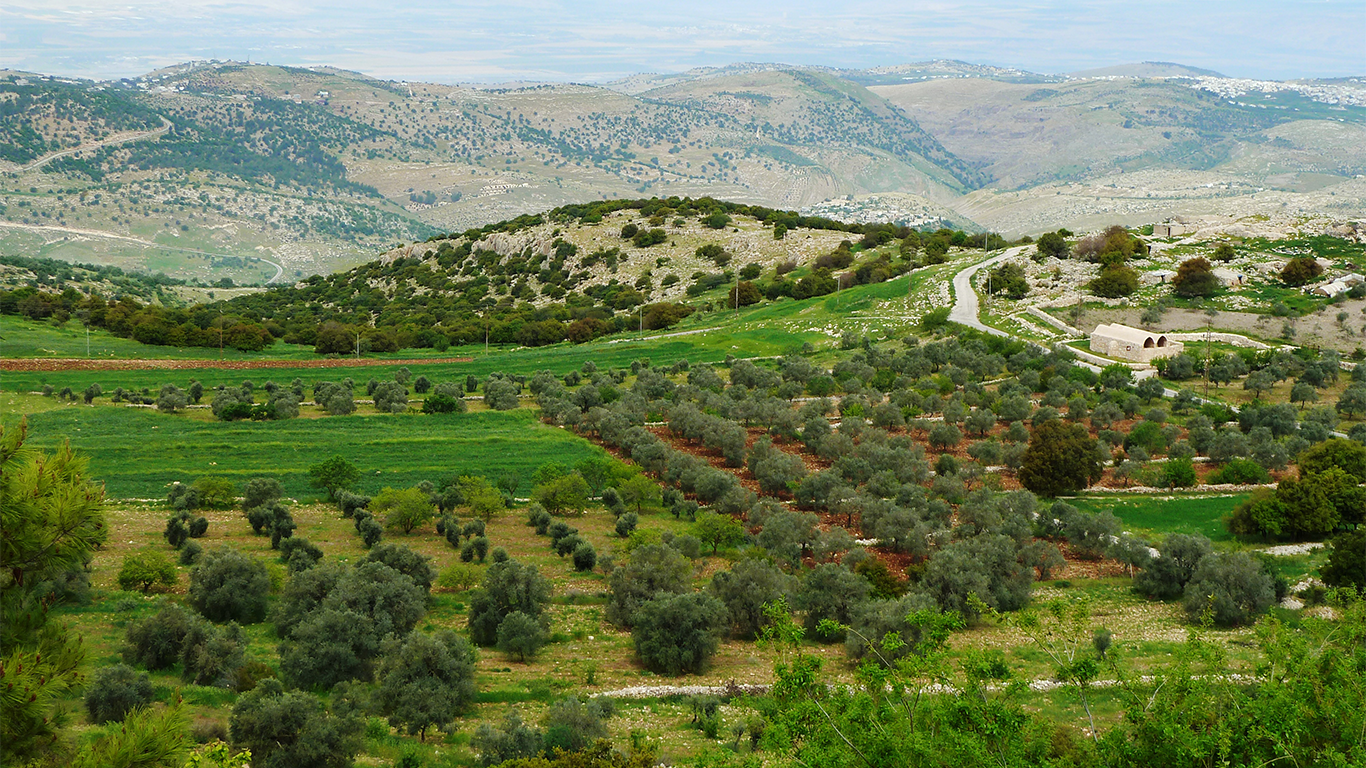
603 40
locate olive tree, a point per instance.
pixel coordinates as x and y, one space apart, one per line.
1231 588
425 680
678 633
746 588
292 729
509 587
653 568
229 586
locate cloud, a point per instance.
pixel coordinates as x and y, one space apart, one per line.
603 39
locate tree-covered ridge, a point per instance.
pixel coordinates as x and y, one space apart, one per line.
50 116
462 290
265 140
818 109
53 276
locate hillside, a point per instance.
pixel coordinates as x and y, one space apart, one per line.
267 174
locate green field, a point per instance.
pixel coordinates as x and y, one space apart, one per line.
1155 516
139 452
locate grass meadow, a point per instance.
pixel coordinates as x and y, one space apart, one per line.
138 452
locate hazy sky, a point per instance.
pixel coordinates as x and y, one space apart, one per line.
595 40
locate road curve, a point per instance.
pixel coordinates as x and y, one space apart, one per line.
166 125
965 305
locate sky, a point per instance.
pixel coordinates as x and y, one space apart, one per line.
489 41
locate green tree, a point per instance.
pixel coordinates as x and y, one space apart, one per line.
509 587
53 520
145 569
229 586
1346 566
426 680
640 491
115 691
564 494
674 634
1061 458
521 636
292 729
334 475
404 509
484 500
1195 277
717 529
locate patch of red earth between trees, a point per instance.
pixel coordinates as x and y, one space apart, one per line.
100 364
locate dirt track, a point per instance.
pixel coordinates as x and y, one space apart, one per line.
99 364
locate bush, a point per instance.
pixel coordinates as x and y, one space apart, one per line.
145 569
292 729
1301 270
1240 472
229 586
585 557
1178 473
156 642
116 690
1230 588
1166 575
674 634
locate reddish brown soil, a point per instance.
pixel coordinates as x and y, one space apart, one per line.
82 364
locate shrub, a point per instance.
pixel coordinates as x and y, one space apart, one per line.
229 586
585 557
1240 472
404 560
156 642
1178 473
292 729
1231 588
116 690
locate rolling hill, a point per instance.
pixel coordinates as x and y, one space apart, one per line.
270 174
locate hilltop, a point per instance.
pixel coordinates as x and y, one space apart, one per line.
267 174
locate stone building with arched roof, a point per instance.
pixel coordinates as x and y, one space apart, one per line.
1135 344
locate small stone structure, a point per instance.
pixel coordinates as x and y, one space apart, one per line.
1124 343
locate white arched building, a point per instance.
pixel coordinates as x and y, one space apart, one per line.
1125 343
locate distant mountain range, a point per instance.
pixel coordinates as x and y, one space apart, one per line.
222 169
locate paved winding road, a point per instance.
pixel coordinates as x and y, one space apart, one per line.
965 305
